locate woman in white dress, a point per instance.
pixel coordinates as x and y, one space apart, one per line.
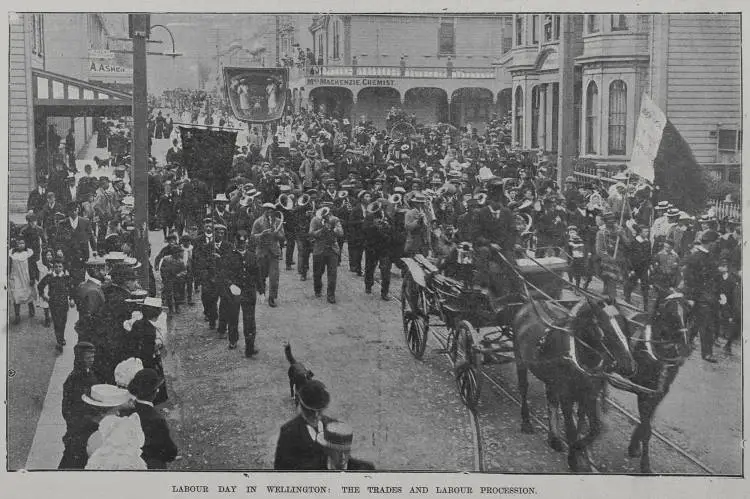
21 276
272 91
117 444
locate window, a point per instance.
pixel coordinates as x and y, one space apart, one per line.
37 37
519 116
557 27
577 100
730 140
336 39
446 38
592 110
535 29
618 114
519 31
547 28
507 34
619 22
320 48
593 24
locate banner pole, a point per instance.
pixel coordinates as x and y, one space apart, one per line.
622 215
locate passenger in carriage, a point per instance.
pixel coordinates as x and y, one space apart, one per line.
495 225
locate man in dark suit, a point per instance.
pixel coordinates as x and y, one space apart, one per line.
242 279
356 236
76 238
47 214
158 448
77 414
38 197
208 256
69 193
701 279
297 447
495 226
89 299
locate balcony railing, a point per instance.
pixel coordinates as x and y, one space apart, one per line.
485 73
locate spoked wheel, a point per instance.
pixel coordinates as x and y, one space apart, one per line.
416 324
468 376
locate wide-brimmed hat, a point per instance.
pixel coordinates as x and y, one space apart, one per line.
662 205
221 198
337 436
620 176
150 302
144 383
314 396
270 206
106 396
673 212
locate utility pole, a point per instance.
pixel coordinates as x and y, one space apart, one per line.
139 32
566 145
278 40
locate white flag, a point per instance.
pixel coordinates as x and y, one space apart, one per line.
648 135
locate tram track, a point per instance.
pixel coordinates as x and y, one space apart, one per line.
672 446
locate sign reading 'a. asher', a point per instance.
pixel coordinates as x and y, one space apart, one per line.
350 82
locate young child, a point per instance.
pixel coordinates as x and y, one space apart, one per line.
187 258
173 271
55 288
22 274
45 266
577 257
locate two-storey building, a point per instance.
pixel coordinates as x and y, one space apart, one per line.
50 92
688 63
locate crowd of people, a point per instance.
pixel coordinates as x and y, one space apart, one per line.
302 190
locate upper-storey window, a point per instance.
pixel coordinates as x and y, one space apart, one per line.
535 29
519 31
336 39
592 23
619 22
447 37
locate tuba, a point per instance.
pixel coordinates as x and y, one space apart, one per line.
303 200
285 202
344 197
395 199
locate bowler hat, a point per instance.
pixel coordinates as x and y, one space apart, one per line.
144 383
709 236
314 395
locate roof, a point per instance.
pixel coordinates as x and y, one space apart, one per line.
66 96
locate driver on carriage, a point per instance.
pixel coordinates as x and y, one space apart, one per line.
495 225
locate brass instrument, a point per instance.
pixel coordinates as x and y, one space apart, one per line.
303 200
346 203
323 213
286 202
481 198
395 199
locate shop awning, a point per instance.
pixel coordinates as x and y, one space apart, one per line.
59 95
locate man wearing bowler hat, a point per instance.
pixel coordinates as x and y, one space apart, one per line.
158 448
701 281
297 447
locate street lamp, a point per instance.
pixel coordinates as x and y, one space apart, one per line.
172 54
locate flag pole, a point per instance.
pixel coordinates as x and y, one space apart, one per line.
622 215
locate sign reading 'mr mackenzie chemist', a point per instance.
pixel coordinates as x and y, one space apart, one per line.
350 82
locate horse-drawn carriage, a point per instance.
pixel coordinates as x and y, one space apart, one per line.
465 309
575 344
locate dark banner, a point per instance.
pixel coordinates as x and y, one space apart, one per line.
257 95
208 155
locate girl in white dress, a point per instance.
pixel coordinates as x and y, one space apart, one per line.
21 277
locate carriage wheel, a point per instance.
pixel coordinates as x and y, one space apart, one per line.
468 376
416 324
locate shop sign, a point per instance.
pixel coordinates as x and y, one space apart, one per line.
350 82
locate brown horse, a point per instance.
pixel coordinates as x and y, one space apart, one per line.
572 353
659 352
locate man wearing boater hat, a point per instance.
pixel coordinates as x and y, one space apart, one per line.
325 231
208 253
336 439
268 235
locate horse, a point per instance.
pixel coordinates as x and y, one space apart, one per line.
572 353
659 352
